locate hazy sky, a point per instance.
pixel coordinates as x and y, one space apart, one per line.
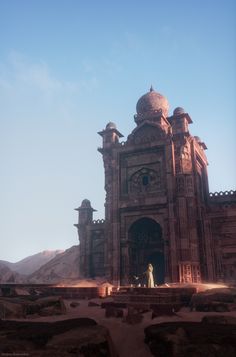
68 67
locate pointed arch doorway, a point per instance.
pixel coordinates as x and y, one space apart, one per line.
146 246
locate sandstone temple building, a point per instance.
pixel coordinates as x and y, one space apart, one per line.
158 208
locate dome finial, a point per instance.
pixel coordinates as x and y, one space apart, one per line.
151 88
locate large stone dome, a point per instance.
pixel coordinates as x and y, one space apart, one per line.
151 103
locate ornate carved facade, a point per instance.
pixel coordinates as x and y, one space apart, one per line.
158 208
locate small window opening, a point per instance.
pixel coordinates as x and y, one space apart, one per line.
145 180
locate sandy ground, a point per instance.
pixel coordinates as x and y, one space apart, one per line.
128 339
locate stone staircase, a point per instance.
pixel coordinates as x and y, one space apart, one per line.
153 296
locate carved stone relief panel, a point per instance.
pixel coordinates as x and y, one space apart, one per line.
185 157
97 254
180 185
143 157
185 150
142 172
189 186
147 134
189 273
108 166
185 185
145 180
177 157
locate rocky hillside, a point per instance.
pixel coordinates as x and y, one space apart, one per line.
9 276
32 263
63 267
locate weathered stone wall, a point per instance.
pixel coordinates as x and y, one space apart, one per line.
222 213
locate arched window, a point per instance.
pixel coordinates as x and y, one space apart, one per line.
144 180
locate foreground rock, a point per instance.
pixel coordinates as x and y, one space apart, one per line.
218 300
164 309
113 312
184 339
134 316
21 308
78 337
219 319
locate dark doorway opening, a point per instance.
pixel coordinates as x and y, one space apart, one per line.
146 246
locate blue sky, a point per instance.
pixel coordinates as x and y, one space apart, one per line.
69 67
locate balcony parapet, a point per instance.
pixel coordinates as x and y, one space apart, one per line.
223 196
98 221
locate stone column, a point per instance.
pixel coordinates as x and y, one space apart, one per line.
209 250
171 217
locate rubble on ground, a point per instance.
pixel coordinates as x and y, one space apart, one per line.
81 336
184 339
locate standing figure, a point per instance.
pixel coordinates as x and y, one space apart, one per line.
149 275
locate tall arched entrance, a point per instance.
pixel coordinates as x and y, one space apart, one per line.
146 246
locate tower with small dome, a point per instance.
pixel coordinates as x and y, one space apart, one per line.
158 208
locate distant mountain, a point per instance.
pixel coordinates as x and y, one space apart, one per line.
32 263
63 267
9 276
